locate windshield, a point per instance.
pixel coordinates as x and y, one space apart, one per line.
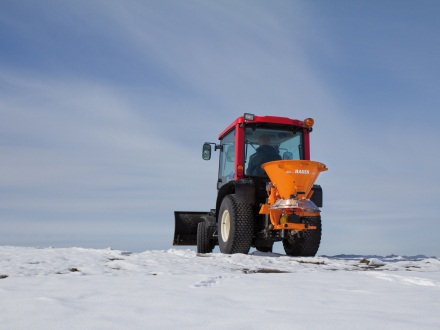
263 145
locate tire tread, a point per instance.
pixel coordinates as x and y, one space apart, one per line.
243 217
308 244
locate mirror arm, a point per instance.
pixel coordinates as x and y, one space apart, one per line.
216 146
206 151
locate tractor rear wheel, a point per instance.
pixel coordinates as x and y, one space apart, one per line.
306 243
235 226
205 242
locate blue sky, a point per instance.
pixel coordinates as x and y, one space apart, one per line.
104 107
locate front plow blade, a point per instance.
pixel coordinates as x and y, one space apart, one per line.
185 229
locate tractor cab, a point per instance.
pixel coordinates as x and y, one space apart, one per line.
251 141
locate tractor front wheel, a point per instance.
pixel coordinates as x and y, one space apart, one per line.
205 242
264 248
235 226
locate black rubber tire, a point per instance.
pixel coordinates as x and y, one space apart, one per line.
306 244
235 226
204 238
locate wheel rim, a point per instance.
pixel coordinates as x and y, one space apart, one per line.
225 225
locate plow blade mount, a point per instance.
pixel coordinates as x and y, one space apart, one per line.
185 229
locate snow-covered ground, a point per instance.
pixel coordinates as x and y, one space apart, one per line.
76 288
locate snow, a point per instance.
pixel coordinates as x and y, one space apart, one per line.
55 288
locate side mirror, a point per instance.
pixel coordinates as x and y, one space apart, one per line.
206 153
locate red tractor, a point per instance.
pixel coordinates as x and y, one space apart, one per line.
266 191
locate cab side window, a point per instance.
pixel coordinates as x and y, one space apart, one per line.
227 159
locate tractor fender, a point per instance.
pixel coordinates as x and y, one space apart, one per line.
317 195
210 219
243 189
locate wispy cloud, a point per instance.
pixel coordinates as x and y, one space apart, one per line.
104 107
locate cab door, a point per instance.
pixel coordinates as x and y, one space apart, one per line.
226 159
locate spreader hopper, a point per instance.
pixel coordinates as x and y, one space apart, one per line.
293 178
290 191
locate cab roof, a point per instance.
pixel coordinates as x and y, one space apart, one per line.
262 119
